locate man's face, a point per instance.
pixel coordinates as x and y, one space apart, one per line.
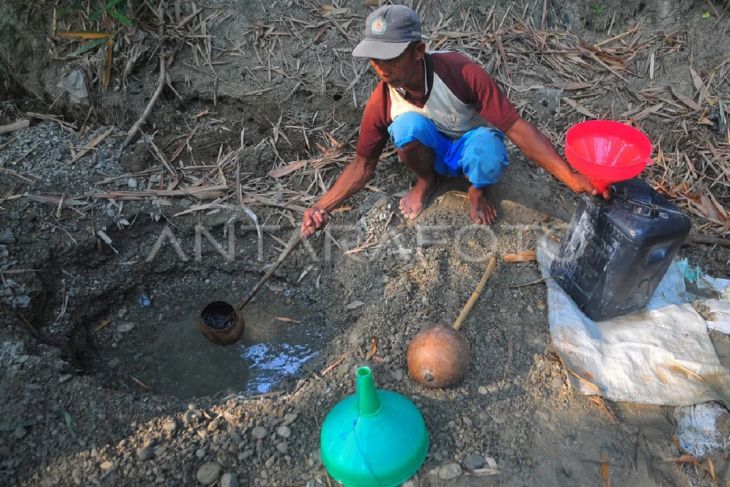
398 71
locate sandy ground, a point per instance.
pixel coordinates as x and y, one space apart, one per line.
79 402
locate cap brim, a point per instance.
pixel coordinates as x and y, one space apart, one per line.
379 50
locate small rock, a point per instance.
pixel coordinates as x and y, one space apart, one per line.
354 305
259 432
122 312
169 425
125 327
200 453
229 480
284 431
450 471
208 473
132 183
7 237
145 453
107 465
74 83
491 463
492 388
213 425
473 461
114 363
482 390
20 433
282 447
270 461
245 454
290 418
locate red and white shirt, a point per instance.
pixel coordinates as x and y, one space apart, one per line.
460 96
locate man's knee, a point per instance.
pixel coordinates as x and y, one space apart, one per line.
412 127
485 157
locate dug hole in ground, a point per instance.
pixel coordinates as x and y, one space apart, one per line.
107 261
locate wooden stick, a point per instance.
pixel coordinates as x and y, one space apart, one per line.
526 256
17 125
475 295
294 242
91 145
148 109
706 239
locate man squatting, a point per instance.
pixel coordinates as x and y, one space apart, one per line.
445 116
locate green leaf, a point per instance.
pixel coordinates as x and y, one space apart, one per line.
706 15
106 8
121 18
88 46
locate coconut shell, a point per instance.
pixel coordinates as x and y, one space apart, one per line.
438 356
221 311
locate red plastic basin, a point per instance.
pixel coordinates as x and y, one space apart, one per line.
606 152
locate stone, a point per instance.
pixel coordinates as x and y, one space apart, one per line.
259 432
169 425
200 453
450 471
7 237
482 390
290 418
113 363
284 431
20 433
132 183
145 453
473 461
245 454
107 465
235 438
213 425
229 480
282 447
74 83
208 473
125 327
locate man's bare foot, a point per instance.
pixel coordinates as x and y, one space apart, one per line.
482 211
413 203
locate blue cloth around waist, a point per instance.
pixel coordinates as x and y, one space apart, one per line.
480 154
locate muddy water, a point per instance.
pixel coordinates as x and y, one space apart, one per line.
280 338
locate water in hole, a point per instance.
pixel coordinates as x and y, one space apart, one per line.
279 339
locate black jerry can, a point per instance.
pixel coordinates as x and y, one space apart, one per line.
616 252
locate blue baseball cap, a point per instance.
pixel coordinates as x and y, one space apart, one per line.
388 31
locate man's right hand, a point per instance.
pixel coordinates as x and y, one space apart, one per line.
314 218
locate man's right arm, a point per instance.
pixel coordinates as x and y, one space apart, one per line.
353 178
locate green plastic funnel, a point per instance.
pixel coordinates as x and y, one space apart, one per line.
373 437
